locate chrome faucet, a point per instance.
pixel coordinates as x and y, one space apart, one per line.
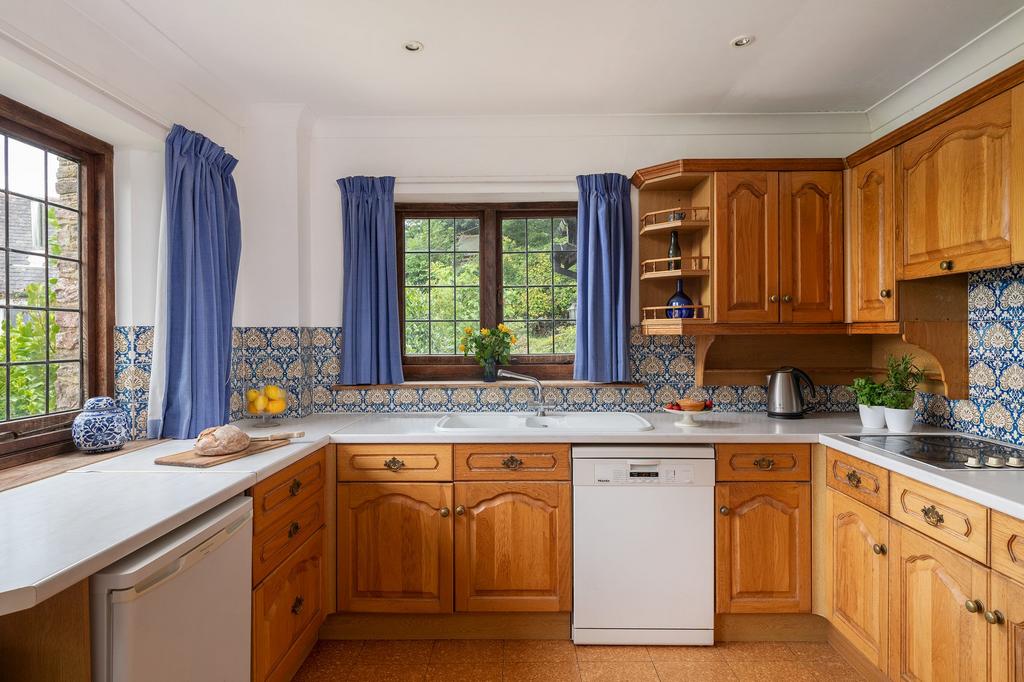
538 406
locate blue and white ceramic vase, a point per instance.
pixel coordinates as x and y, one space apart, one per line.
101 426
680 305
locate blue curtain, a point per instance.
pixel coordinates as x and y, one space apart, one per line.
605 256
372 351
203 243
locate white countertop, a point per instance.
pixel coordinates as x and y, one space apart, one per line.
58 531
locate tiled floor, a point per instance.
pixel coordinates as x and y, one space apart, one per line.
555 661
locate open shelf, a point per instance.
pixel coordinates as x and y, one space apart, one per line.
692 266
683 218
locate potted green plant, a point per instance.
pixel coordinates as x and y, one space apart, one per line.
870 395
490 347
902 378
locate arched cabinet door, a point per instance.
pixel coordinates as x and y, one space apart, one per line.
395 547
873 244
811 246
747 247
958 192
513 546
763 552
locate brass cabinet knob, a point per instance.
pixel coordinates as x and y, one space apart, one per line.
787 299
764 463
885 293
774 298
853 478
880 550
932 516
974 606
946 265
460 510
445 511
723 510
295 487
995 617
297 605
294 529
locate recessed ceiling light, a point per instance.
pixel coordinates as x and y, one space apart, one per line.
742 41
413 46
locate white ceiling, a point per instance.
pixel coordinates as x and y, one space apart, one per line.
345 57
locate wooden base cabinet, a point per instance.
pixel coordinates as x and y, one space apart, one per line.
763 552
1007 607
937 628
513 546
395 547
859 578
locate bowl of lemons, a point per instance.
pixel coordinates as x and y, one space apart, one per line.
266 403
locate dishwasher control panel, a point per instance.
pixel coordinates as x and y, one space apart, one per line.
625 472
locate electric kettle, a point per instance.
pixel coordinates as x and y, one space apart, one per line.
786 400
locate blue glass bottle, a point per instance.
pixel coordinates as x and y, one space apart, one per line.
679 299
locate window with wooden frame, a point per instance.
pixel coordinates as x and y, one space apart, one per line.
56 280
480 264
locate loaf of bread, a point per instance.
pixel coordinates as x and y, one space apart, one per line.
221 440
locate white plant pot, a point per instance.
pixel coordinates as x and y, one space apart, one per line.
872 416
899 421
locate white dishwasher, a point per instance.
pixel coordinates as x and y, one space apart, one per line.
179 608
643 544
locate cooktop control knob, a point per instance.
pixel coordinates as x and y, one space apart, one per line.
994 462
1015 461
974 461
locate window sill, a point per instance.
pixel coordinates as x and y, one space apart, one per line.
553 383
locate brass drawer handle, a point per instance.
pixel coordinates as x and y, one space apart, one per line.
974 606
853 478
764 463
723 510
885 293
294 529
295 487
394 464
995 617
297 605
880 550
444 511
512 462
460 510
932 516
946 265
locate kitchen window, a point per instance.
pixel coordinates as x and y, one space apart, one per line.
56 280
480 264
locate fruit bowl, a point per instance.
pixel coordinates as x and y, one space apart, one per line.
266 403
685 409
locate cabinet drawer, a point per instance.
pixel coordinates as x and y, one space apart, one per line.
394 463
281 494
512 462
1008 545
763 462
287 610
277 543
858 479
952 520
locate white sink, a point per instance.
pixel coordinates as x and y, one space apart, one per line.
561 422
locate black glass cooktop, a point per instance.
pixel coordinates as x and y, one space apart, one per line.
950 452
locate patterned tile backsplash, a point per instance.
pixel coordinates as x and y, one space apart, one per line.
305 361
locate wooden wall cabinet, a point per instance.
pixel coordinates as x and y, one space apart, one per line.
957 193
859 575
763 547
872 240
513 546
778 246
395 547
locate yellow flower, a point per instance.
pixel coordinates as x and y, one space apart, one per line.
468 330
503 328
512 340
462 347
485 332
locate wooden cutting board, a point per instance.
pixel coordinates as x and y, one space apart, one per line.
189 458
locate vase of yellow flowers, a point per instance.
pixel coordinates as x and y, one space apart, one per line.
490 347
